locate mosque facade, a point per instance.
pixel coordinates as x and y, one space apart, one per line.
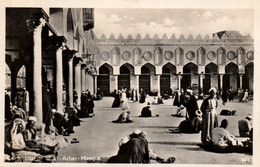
223 60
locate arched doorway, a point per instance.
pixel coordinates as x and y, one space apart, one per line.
145 78
103 79
248 78
165 80
211 77
124 78
190 77
231 77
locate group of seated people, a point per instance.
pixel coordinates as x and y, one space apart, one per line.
134 148
223 142
25 136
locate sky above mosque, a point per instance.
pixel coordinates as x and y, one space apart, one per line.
153 21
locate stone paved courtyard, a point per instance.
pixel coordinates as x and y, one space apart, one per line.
99 137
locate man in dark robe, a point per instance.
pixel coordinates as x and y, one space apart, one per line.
142 96
134 151
116 102
90 105
99 94
83 105
224 96
146 112
191 106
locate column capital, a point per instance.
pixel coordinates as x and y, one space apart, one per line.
60 41
77 61
69 54
35 24
83 66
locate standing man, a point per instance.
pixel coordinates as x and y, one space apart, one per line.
209 118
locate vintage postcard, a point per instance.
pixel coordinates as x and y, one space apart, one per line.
122 82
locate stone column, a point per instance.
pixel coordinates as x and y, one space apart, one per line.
70 82
116 82
83 77
179 81
159 86
221 83
59 78
201 83
37 68
95 83
137 84
78 81
241 81
86 81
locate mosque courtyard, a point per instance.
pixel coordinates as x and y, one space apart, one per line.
99 137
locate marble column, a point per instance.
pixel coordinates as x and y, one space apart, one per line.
37 69
83 77
159 85
59 78
86 80
137 83
241 81
95 83
221 83
70 82
201 83
78 81
179 81
116 82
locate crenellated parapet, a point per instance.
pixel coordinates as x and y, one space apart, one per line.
223 48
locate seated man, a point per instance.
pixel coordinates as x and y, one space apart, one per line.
124 117
146 112
152 154
221 139
196 123
181 112
159 100
244 126
67 125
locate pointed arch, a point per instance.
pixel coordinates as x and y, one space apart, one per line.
168 78
148 68
129 67
231 77
211 77
169 68
106 69
190 77
124 78
248 77
103 79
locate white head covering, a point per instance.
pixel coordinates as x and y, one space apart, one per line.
189 91
249 116
137 131
198 113
32 118
213 89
